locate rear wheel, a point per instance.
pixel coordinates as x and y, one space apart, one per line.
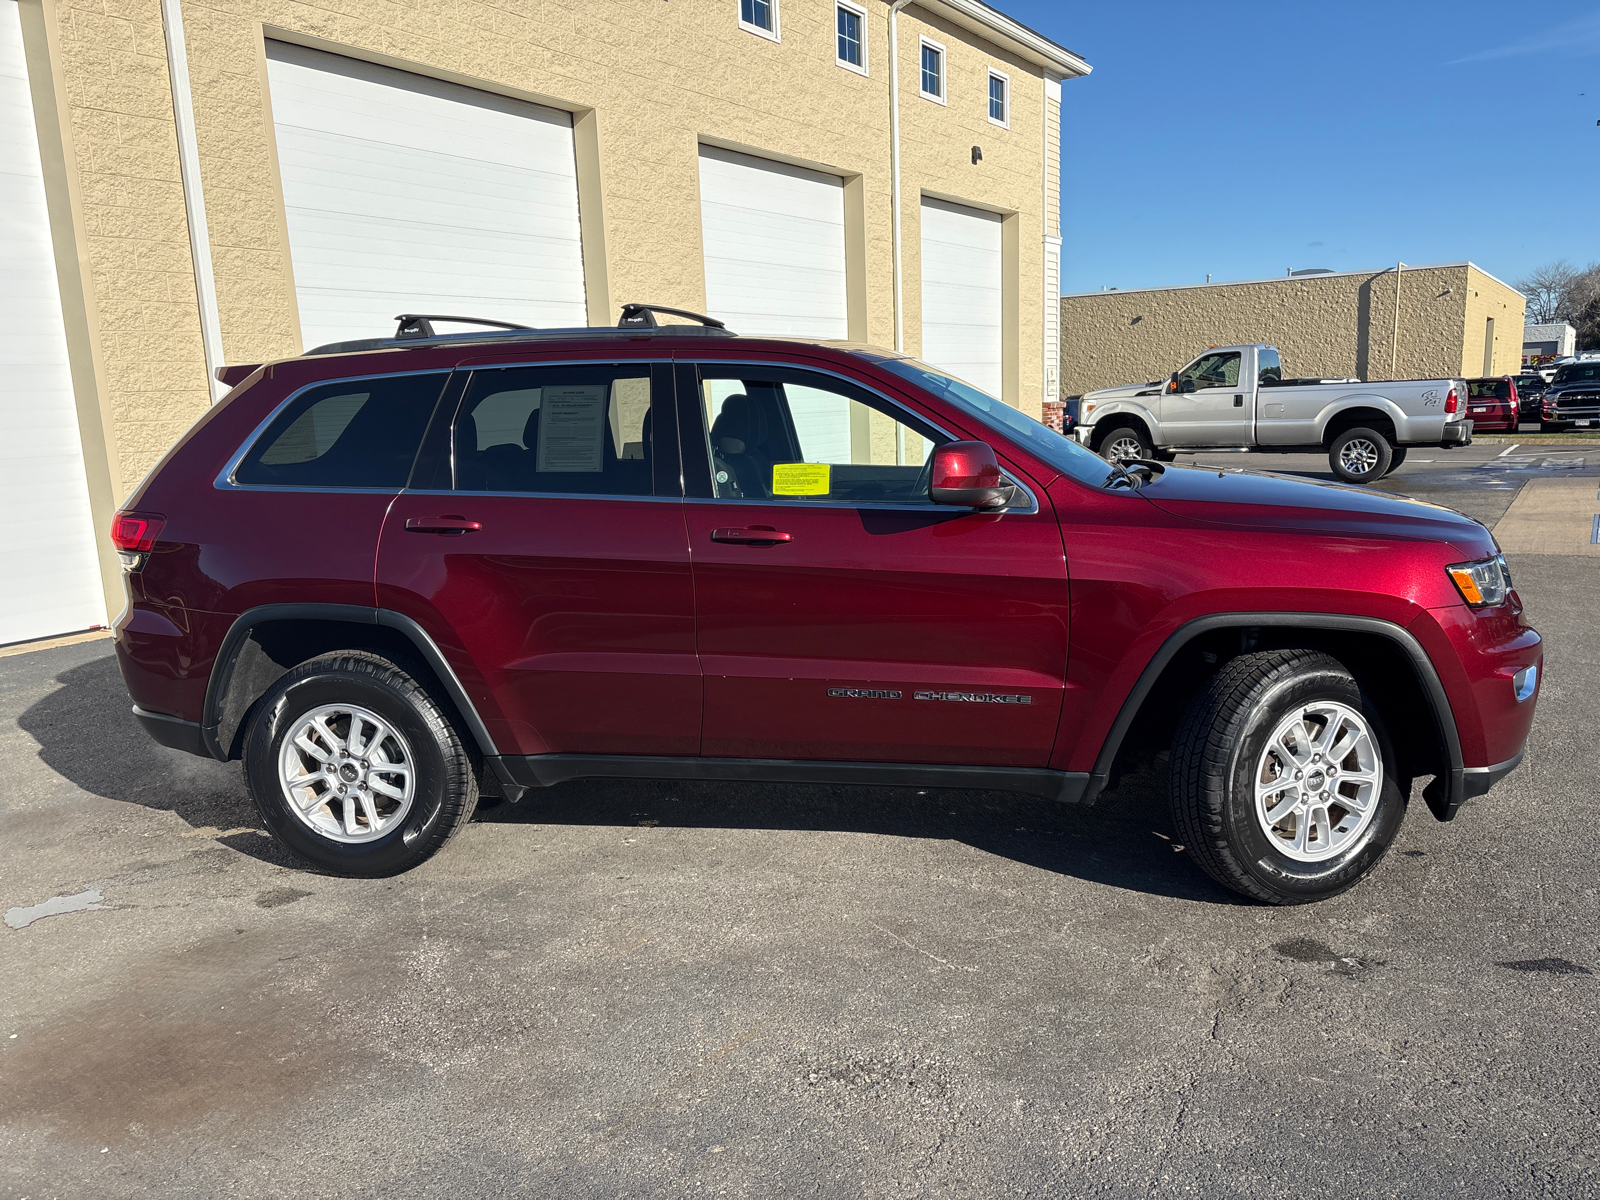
1124 443
1398 457
353 765
1360 455
1284 785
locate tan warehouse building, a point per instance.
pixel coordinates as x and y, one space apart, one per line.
1413 323
193 182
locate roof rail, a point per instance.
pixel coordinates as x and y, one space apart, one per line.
420 325
643 316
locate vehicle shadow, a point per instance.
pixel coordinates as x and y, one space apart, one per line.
87 734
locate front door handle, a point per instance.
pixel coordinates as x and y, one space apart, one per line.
751 535
1238 401
442 525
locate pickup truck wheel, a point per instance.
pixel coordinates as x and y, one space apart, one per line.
1284 785
1124 443
1398 457
1360 455
353 766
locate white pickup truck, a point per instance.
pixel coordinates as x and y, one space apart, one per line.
1235 397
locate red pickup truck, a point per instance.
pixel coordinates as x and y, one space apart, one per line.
395 575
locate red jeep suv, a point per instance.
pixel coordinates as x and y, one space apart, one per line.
392 575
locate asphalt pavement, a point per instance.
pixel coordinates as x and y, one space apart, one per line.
664 990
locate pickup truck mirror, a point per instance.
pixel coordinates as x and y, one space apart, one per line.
1186 385
967 474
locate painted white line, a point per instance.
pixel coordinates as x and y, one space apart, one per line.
1509 449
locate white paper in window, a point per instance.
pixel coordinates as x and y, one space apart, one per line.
572 424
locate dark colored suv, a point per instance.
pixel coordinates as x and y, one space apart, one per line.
392 576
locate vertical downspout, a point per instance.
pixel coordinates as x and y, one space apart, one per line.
894 173
193 198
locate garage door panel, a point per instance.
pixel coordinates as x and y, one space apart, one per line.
404 193
774 246
962 293
51 580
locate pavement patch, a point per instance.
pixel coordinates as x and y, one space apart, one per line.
85 901
1551 516
278 897
1547 966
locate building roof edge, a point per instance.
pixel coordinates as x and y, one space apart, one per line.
979 17
1175 287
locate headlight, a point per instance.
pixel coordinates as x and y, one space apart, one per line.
1482 584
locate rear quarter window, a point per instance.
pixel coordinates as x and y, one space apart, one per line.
357 433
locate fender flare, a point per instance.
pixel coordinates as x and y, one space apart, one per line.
222 667
1126 408
1344 404
1444 795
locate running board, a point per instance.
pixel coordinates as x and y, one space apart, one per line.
519 773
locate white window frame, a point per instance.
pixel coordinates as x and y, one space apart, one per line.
772 35
944 70
848 6
1006 81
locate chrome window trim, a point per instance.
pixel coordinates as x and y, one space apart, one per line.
698 361
225 480
542 495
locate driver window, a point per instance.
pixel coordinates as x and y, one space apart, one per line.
1214 371
781 434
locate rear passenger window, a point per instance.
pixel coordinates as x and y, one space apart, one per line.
350 434
576 430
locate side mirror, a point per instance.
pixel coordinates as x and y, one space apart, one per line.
1187 385
967 474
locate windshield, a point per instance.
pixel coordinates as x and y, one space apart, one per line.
1062 453
1524 382
1578 372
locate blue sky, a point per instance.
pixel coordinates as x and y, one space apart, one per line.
1242 138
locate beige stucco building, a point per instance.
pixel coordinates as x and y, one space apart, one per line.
232 180
1422 322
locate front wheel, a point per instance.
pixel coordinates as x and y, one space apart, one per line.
353 765
1283 781
1360 455
1124 443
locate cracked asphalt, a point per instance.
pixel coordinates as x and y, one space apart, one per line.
663 990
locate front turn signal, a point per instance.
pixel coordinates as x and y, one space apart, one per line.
1484 583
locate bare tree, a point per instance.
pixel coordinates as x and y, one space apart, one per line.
1548 289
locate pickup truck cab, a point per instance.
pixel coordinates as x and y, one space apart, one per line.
1236 397
395 575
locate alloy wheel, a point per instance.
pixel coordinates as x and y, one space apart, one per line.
1317 781
347 774
1358 456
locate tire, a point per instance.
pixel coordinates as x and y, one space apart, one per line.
1398 457
1238 729
1362 448
1123 443
1551 427
389 825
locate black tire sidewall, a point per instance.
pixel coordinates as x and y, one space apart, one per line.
300 692
1288 878
1385 455
1116 431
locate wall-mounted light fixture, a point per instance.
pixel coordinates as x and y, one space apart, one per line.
977 155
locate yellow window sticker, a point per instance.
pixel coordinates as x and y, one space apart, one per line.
800 479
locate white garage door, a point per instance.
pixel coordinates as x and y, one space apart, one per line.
774 246
961 293
774 255
51 579
406 194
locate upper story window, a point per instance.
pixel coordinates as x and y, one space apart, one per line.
850 22
933 70
1000 98
759 16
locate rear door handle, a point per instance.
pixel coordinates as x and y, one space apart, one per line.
442 525
751 535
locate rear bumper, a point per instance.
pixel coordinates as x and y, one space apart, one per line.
173 731
1459 434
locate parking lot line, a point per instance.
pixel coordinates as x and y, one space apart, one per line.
1509 449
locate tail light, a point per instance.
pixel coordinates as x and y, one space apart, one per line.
134 534
1452 402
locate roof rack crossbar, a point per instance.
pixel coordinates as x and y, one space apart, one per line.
643 316
420 325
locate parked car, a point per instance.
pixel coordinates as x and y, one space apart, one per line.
1530 392
393 576
1237 397
1573 398
1493 405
